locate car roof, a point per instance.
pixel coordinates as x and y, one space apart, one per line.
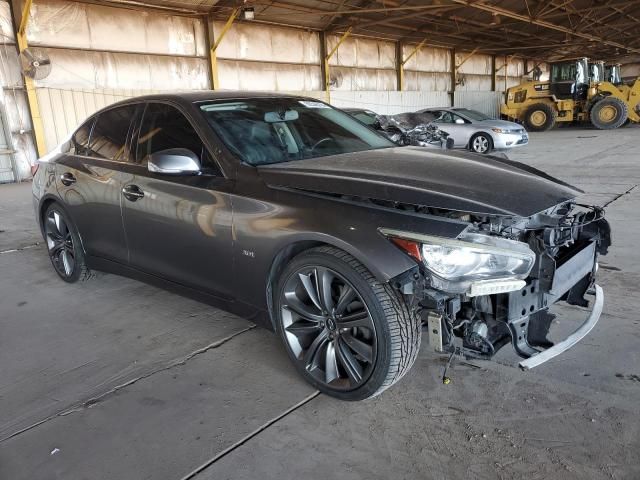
358 110
205 95
452 109
195 96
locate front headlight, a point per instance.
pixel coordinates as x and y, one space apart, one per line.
477 257
501 130
457 264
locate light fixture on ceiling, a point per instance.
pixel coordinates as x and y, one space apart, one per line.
248 13
495 19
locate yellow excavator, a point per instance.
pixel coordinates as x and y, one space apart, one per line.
577 91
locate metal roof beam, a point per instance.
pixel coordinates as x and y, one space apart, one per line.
543 23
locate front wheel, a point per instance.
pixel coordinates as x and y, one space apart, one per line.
481 143
349 335
608 113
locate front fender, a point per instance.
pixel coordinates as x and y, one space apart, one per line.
264 230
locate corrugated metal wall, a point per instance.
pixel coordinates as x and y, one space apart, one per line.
485 102
515 70
385 103
362 64
429 69
261 57
13 105
102 54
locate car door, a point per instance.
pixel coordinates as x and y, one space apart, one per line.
464 129
458 131
89 180
178 227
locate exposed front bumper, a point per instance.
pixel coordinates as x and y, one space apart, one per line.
572 339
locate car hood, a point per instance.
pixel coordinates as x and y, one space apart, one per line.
454 181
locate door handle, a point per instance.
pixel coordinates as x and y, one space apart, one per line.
67 179
132 193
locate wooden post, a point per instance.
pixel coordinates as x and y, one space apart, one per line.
399 68
454 76
493 73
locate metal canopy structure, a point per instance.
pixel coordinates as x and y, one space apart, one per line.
545 30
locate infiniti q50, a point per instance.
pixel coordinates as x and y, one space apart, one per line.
300 218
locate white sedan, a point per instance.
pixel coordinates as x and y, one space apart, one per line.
478 132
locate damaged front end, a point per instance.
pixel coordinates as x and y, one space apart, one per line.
495 282
415 129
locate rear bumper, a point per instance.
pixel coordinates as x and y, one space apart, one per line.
571 340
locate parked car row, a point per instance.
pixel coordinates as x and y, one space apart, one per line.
464 127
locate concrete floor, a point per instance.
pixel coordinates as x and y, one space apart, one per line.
114 379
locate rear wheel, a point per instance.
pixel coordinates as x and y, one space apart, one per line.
609 113
63 245
349 335
540 117
481 143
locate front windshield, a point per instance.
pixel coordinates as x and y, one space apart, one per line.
473 114
262 131
368 118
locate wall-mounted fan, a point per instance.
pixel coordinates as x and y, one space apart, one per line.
335 79
35 63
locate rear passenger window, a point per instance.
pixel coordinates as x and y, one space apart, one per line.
109 136
164 127
80 139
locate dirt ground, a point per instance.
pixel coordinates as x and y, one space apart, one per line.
114 379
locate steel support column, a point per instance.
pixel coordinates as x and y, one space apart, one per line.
32 98
327 69
404 61
213 57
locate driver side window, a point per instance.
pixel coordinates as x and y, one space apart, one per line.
164 127
446 117
457 119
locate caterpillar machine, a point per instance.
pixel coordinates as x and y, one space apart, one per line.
577 91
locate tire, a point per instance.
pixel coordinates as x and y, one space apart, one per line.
387 336
63 245
540 117
481 143
609 113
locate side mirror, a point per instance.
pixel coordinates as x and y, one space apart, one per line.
459 121
174 161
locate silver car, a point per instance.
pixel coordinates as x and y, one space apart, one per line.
478 132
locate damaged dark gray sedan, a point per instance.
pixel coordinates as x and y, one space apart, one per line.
294 215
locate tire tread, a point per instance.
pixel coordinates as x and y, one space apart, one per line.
405 332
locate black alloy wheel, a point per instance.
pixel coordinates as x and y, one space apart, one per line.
348 334
63 244
328 327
